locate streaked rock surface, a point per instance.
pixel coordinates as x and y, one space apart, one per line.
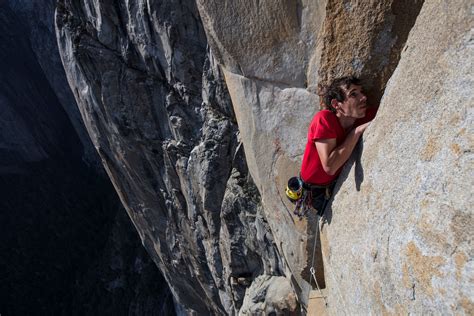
157 109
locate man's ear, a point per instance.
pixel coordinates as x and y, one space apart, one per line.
334 104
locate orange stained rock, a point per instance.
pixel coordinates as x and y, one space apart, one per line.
316 304
422 268
467 305
456 149
460 259
430 150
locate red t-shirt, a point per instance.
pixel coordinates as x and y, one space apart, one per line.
325 125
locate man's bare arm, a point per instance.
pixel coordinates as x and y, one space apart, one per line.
332 157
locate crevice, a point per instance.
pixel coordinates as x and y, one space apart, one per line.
385 37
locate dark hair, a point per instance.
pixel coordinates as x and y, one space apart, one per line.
334 91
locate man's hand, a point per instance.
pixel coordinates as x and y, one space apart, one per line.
361 128
332 157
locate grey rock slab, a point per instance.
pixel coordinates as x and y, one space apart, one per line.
272 122
265 40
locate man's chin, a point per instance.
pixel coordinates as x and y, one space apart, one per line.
363 111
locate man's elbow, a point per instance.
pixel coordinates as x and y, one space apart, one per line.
329 170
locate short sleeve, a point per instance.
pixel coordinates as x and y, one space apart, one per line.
323 126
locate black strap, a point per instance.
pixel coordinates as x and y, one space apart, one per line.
309 186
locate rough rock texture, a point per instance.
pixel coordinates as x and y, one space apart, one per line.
269 295
264 40
364 38
409 250
158 112
67 245
273 111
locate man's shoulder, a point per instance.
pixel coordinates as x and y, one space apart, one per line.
324 126
324 120
323 113
324 116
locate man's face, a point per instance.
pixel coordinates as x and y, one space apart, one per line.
355 104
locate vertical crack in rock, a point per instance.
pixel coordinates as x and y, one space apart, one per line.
158 111
365 39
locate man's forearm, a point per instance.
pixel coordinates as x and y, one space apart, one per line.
340 154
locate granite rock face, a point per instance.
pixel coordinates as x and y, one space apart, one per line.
409 249
364 38
215 219
156 107
269 295
264 40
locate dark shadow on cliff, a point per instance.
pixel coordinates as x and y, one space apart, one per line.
358 169
67 245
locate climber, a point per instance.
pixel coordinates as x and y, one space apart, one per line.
332 136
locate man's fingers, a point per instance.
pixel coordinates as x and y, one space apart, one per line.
362 128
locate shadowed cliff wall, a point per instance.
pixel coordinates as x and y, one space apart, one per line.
67 245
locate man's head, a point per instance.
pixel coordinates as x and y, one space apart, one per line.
345 97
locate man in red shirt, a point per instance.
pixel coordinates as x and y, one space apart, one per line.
332 136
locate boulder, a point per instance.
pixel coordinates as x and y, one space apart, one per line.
269 295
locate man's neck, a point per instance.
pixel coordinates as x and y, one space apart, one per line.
346 122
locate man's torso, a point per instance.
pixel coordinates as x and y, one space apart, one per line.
325 125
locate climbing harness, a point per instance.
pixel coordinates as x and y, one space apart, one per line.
303 205
301 194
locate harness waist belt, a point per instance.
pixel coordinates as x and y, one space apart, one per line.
309 186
